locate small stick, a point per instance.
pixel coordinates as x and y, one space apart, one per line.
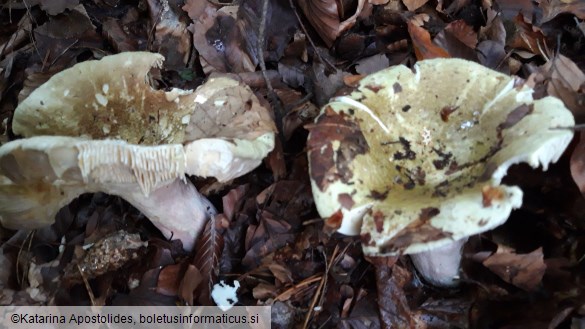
576 127
278 111
323 59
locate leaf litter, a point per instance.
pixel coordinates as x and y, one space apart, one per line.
268 235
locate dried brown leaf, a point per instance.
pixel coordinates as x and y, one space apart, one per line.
392 302
169 280
424 48
413 5
454 46
510 8
552 8
372 64
463 32
325 84
494 28
281 273
218 39
578 164
280 22
192 280
209 248
492 54
566 81
301 114
233 199
54 7
118 37
292 74
522 270
565 70
325 18
145 294
171 37
528 37
264 291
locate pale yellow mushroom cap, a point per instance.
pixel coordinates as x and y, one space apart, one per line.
107 98
413 159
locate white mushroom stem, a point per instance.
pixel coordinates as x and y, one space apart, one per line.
440 266
177 210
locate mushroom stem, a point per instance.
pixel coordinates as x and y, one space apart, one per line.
176 209
440 266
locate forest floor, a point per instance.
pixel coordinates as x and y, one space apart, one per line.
527 273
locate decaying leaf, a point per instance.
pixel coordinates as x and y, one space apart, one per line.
413 5
171 37
424 48
552 8
578 164
522 270
463 33
209 248
372 64
328 18
217 38
54 7
528 37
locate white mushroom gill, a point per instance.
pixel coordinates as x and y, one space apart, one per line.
149 166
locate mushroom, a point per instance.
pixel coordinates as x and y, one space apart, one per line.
413 159
46 172
129 140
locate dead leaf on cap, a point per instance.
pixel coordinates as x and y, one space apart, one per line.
525 271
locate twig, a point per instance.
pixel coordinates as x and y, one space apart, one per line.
151 34
28 238
321 287
580 126
278 111
87 286
305 283
31 36
323 59
62 53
